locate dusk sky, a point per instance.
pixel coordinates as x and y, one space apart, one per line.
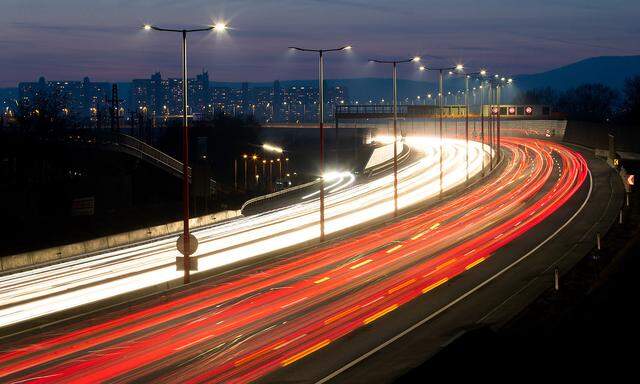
102 39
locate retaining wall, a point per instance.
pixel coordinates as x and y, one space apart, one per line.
49 255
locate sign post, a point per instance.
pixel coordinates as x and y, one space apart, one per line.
193 247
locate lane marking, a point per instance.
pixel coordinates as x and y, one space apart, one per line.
306 352
378 315
442 265
434 285
480 260
419 235
402 285
341 314
360 264
461 297
394 248
252 356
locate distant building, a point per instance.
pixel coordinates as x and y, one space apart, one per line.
164 96
156 97
277 101
262 105
80 98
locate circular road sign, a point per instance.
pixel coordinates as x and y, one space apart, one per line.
193 244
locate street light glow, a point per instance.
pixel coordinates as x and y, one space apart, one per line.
147 27
416 59
459 67
348 47
220 26
422 68
272 148
483 72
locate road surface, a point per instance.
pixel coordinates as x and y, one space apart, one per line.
272 317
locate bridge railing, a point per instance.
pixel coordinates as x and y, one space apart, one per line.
151 153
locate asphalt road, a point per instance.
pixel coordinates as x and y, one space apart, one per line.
495 292
48 290
302 318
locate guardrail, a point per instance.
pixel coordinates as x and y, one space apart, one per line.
402 156
276 194
13 263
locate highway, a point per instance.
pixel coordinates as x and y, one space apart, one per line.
247 326
50 289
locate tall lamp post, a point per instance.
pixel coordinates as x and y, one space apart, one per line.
320 53
244 157
219 27
480 74
499 86
394 64
440 71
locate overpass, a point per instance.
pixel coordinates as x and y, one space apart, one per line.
129 145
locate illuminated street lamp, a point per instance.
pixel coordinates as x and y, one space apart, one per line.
320 53
480 74
218 27
245 171
272 148
440 71
394 64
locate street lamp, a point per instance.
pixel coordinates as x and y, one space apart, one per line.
272 148
245 172
320 53
219 27
394 64
480 74
440 71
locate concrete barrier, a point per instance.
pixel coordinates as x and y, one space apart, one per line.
31 259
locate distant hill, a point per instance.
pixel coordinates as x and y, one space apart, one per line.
608 70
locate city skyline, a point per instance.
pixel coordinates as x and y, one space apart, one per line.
105 42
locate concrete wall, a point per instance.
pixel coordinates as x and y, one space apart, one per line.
34 258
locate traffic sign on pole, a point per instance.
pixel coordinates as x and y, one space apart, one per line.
193 247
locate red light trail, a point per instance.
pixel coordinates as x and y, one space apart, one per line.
275 315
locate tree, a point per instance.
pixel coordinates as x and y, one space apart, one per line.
631 102
538 96
226 138
588 102
45 113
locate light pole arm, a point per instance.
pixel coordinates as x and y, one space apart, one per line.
181 30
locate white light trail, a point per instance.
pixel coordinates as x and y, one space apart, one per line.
50 289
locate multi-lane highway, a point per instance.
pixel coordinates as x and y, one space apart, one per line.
50 289
249 325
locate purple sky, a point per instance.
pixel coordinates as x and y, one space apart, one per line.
69 39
